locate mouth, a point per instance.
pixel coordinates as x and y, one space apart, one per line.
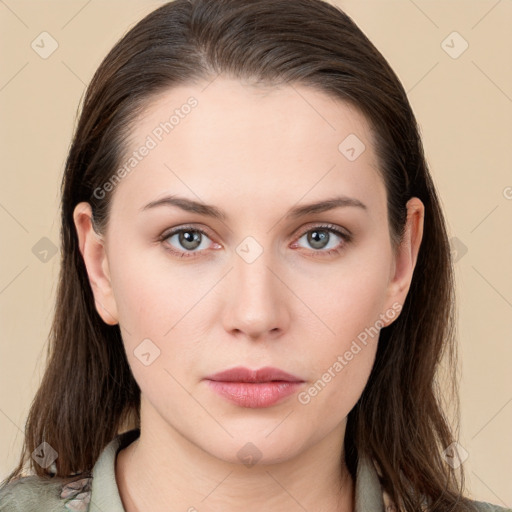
254 388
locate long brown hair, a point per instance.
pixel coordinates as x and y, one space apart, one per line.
88 393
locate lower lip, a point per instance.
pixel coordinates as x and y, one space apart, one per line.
255 394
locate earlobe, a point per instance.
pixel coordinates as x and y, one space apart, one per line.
406 256
93 252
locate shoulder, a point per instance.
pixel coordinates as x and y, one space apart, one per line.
72 494
483 506
366 468
33 493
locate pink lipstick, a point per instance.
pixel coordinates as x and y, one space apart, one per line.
254 388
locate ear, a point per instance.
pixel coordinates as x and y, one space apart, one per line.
406 255
93 252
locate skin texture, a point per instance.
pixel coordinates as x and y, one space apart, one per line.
254 152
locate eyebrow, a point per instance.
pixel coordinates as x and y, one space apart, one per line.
208 210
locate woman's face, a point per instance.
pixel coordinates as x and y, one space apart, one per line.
263 286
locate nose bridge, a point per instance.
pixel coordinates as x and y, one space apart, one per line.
255 304
252 268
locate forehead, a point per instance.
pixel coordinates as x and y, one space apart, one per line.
258 143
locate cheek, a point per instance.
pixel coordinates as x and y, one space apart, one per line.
151 293
347 300
341 362
350 311
165 303
340 385
150 303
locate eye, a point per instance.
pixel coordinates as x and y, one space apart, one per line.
190 241
187 241
321 240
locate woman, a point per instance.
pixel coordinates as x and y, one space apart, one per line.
256 286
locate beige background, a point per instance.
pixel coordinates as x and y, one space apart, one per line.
464 107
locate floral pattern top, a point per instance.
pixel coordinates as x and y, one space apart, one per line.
77 494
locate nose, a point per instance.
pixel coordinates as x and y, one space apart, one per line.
257 305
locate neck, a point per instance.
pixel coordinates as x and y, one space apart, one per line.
162 471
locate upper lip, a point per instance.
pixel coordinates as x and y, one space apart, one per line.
241 374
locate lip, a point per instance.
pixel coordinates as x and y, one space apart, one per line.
254 388
242 374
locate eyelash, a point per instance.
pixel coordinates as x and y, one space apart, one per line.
347 238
